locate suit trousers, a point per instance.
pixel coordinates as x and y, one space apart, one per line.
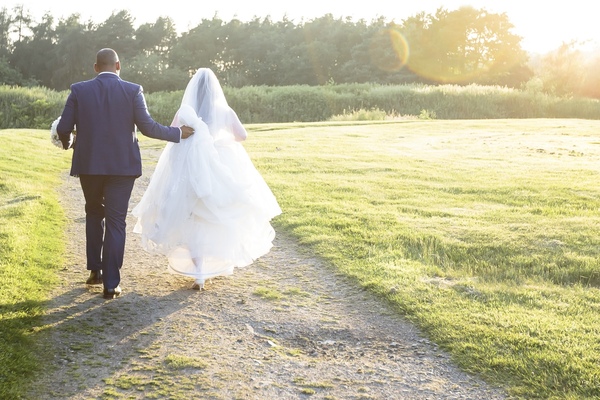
106 205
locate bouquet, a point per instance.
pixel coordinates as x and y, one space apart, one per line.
54 136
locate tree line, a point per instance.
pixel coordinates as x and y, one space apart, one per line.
463 46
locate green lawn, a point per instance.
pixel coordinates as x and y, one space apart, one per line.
484 233
32 244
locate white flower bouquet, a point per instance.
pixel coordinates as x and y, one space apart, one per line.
54 135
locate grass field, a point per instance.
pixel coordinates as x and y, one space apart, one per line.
32 245
484 233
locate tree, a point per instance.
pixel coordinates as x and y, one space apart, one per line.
200 47
561 71
251 51
32 55
5 27
324 56
148 71
74 52
117 32
238 57
21 22
591 81
9 75
389 54
464 46
152 66
157 38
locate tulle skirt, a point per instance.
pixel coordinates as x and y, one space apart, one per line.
206 207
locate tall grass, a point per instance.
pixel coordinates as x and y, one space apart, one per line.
37 108
305 104
485 233
29 107
31 247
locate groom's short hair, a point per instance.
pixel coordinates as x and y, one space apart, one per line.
106 57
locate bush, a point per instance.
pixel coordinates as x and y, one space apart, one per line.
29 107
38 107
374 114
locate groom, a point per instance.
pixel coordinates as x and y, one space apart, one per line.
106 158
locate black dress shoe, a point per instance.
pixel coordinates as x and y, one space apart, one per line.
112 293
95 278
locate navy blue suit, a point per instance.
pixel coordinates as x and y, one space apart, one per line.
107 159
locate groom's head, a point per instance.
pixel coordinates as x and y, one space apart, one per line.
107 60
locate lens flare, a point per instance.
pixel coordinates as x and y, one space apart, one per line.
389 50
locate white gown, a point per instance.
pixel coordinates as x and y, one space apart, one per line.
206 207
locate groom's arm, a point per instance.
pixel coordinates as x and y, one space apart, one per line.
151 128
67 121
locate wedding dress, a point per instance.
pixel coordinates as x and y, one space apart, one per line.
206 207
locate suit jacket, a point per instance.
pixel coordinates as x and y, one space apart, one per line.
105 111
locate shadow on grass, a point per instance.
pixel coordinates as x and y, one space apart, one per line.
17 362
96 338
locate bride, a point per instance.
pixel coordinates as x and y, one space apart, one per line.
206 208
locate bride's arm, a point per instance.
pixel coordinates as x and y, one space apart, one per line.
238 130
176 120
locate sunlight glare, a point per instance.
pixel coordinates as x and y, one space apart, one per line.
397 48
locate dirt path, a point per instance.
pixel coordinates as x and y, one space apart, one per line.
284 328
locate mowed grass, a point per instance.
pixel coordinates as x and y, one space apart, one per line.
484 233
32 245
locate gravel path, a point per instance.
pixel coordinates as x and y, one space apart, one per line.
286 327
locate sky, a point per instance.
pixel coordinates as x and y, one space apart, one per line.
544 26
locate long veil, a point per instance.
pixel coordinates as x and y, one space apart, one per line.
205 96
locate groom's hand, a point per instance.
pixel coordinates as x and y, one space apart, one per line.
66 143
186 132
